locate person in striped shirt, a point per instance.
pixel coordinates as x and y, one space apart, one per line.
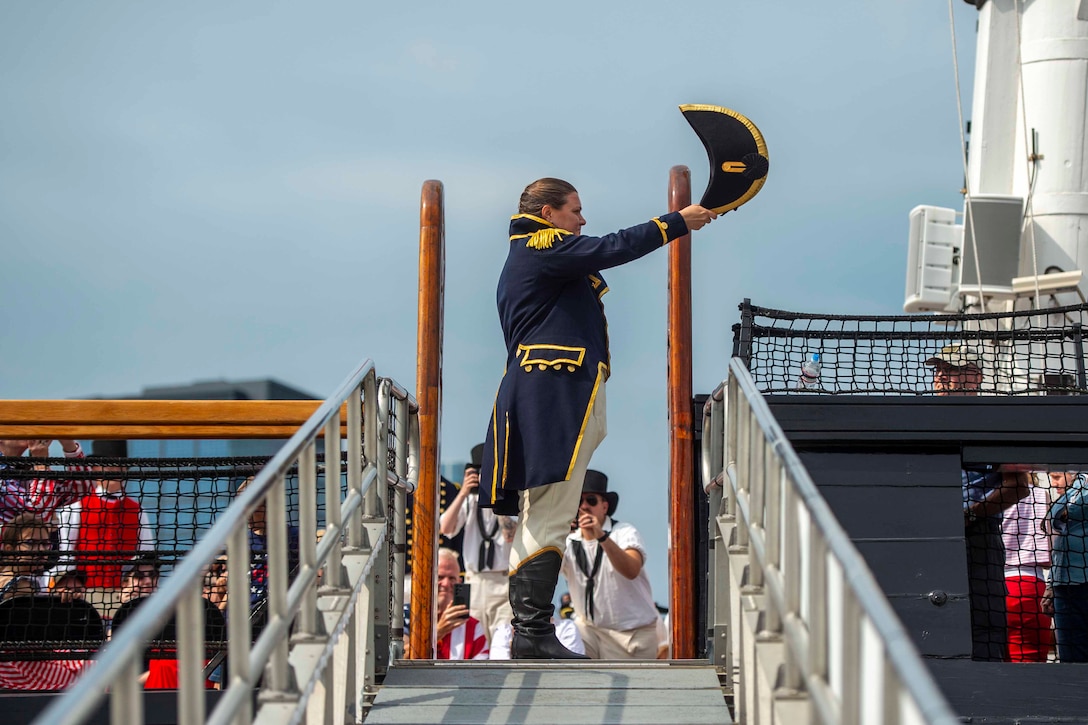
24 551
42 495
459 636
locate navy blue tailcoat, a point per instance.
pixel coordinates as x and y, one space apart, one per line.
549 299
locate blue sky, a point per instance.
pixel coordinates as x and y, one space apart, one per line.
195 191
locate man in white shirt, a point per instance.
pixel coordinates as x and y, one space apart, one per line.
604 567
485 549
100 532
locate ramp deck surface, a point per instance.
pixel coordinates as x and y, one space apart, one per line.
656 692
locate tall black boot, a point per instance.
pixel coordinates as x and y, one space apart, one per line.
531 590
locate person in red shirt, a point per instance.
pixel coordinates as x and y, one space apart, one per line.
460 636
104 529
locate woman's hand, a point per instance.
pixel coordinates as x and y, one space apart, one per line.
697 217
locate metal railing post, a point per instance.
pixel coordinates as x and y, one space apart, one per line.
805 586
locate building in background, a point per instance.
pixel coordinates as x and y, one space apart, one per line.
182 503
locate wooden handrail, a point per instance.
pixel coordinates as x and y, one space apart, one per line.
155 419
681 432
432 280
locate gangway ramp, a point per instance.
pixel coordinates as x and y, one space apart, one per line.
655 692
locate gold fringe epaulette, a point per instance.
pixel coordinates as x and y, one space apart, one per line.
544 238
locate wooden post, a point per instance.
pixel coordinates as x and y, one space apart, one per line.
432 280
681 436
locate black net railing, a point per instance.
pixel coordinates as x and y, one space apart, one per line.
1032 352
82 546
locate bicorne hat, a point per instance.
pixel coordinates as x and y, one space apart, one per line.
597 482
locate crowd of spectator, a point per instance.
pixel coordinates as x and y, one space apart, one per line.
67 540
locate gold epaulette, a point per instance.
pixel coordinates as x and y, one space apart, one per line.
545 238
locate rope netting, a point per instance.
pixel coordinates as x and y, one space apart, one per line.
1032 352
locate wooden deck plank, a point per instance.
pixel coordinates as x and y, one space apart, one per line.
602 675
528 715
545 693
548 697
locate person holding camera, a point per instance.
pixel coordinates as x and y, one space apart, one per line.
604 565
485 549
460 636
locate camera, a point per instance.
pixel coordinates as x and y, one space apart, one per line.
462 593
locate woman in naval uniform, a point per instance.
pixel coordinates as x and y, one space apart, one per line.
549 413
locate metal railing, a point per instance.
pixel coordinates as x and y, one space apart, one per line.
332 627
800 627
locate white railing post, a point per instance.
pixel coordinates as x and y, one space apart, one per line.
238 623
309 623
332 651
806 614
190 635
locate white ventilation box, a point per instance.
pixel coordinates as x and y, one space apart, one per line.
992 229
933 255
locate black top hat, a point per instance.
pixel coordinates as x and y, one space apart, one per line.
109 449
477 457
597 482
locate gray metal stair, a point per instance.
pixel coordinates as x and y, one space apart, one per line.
655 692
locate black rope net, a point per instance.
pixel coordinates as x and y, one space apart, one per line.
1040 533
82 547
1032 352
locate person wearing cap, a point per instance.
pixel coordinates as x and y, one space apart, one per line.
485 550
957 370
987 492
140 576
610 590
549 411
101 530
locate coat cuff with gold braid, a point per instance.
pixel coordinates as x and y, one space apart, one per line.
671 225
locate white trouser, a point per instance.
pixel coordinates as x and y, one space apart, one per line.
547 511
490 599
640 643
